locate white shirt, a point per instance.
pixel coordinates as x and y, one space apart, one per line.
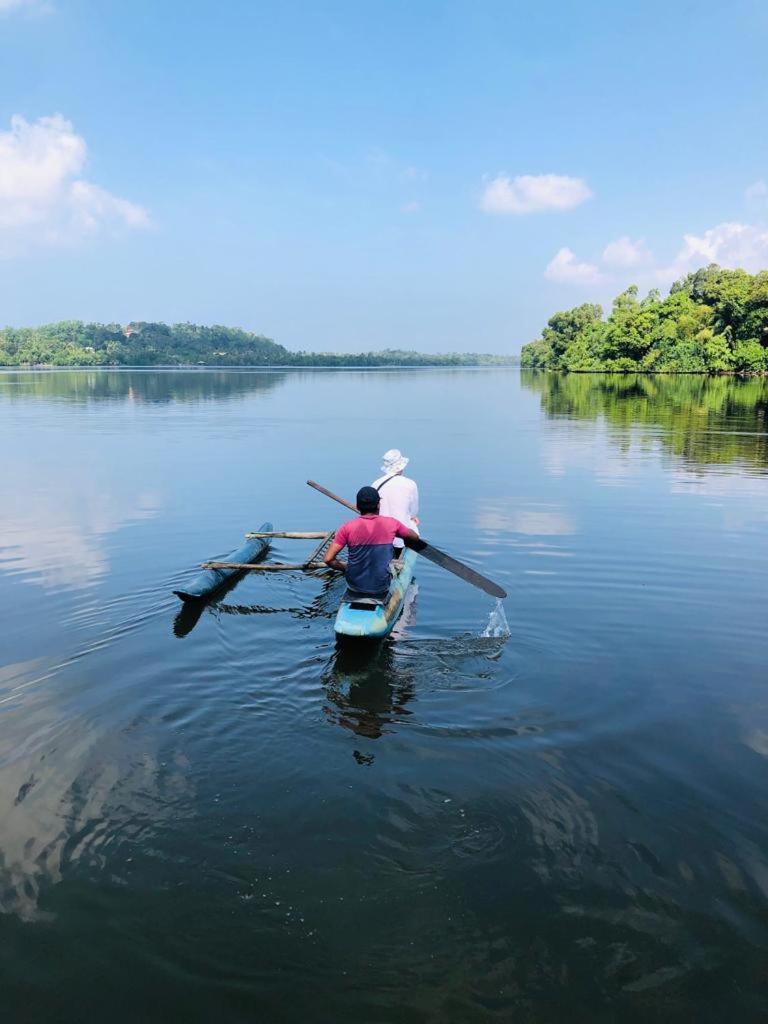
399 499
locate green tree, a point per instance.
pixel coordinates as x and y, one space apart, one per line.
713 321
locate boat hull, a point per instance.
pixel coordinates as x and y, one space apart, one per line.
374 622
210 582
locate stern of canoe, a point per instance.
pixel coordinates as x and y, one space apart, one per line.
358 619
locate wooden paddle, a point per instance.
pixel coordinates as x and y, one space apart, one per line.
432 553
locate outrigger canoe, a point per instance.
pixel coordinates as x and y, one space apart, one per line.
374 617
210 581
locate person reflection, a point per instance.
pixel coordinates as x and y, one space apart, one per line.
368 690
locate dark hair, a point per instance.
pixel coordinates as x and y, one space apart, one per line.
368 499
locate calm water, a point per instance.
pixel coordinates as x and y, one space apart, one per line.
227 820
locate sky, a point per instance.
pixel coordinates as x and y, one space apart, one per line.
350 176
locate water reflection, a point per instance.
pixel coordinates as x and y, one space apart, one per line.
571 821
60 538
191 612
368 690
187 618
703 420
79 810
137 386
528 518
324 605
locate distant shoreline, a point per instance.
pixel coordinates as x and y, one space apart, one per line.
74 343
4 367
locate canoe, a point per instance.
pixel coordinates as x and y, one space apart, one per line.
209 582
373 617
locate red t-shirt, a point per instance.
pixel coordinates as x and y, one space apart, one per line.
369 540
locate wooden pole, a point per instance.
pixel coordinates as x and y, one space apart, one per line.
321 546
335 497
265 566
290 534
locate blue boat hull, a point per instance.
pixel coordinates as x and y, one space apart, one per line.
356 619
209 582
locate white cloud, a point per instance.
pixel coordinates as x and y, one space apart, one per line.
414 174
40 6
43 197
730 244
565 268
758 190
623 252
531 193
93 205
413 207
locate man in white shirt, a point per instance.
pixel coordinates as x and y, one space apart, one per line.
399 495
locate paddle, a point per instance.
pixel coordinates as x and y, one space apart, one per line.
432 553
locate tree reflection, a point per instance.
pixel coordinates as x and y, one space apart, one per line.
704 420
139 386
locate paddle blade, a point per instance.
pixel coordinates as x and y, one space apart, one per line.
457 568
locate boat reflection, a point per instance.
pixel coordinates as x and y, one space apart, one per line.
368 686
368 690
323 605
191 612
187 617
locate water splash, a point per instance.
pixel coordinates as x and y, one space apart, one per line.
497 622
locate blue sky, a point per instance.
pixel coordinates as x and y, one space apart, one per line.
352 176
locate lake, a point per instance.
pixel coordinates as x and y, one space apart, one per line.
223 817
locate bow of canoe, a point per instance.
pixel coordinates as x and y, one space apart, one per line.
210 581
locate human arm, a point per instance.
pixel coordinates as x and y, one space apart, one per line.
338 542
330 558
405 533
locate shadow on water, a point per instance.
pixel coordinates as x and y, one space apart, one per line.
190 612
323 606
188 617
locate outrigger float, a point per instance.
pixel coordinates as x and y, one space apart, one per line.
211 581
363 616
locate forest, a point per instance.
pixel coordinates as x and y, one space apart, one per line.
75 343
713 321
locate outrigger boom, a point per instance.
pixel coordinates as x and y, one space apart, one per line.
324 536
265 566
291 534
368 617
371 616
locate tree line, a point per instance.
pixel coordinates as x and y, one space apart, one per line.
75 343
713 321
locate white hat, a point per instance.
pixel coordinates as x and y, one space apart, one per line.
394 461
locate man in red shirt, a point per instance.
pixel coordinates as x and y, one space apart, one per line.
369 540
